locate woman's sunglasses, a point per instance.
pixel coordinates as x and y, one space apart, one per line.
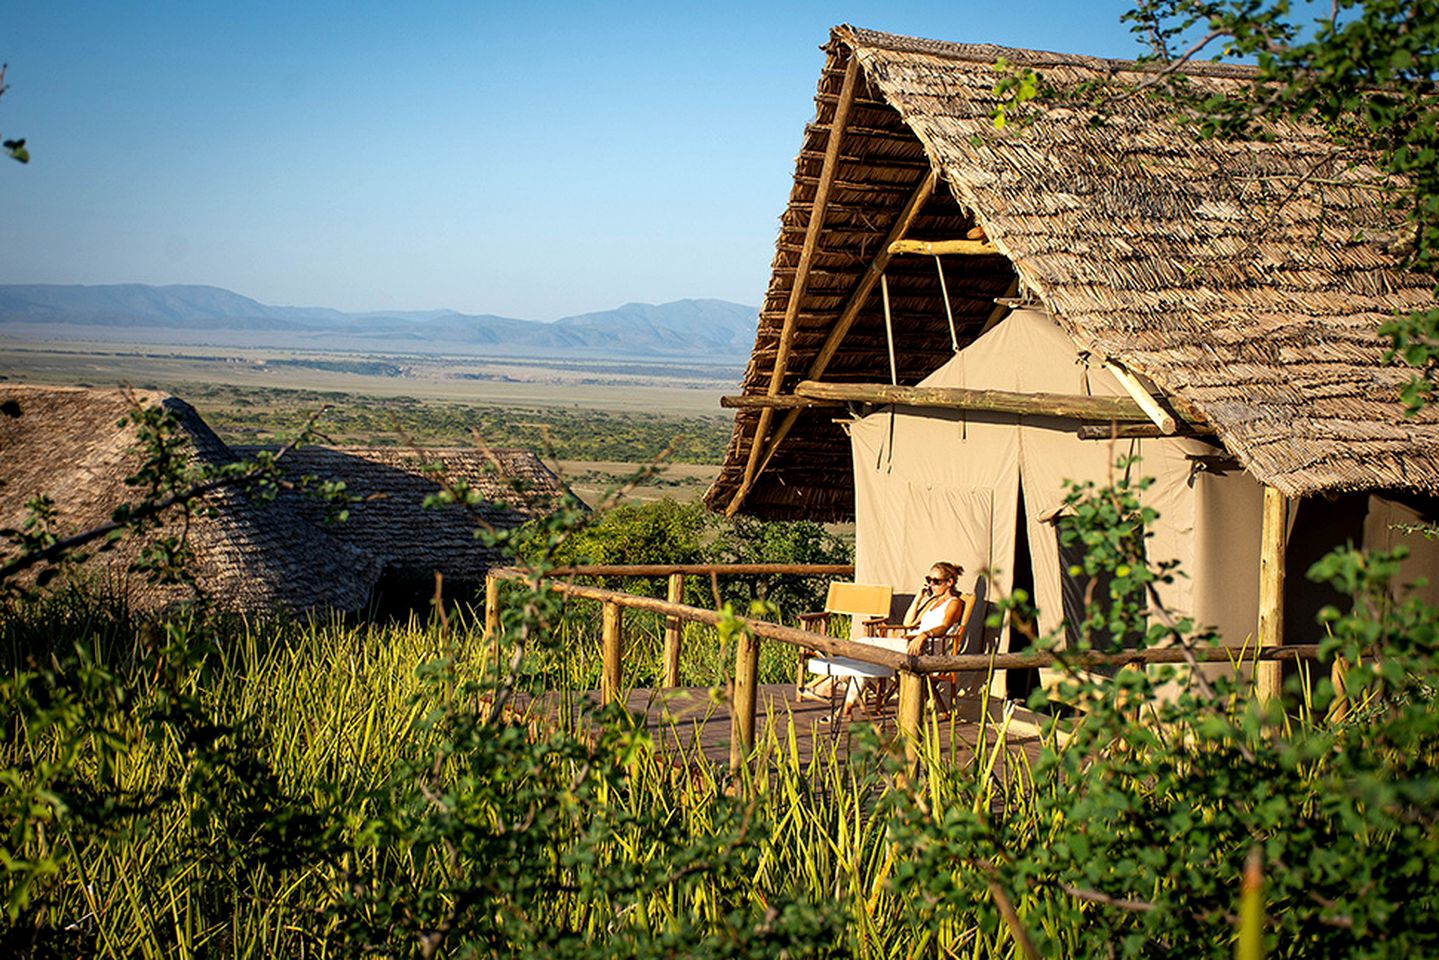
933 580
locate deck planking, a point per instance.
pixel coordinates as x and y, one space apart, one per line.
695 722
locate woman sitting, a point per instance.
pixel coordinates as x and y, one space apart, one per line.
935 611
937 607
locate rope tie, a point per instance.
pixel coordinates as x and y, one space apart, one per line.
888 330
948 310
889 342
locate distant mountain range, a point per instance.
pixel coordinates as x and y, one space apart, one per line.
132 312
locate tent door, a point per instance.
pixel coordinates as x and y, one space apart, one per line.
1019 683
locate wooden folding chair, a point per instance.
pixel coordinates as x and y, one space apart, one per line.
951 643
853 599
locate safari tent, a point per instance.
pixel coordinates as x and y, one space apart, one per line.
960 318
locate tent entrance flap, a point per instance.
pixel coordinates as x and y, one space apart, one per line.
1019 683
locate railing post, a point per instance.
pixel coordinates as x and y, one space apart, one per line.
907 716
613 639
673 627
1269 676
746 676
492 616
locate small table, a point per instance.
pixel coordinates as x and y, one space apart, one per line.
848 668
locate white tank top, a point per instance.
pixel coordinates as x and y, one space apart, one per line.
933 616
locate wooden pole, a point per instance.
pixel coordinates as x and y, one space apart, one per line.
942 247
492 619
746 677
1273 533
1161 417
801 276
907 716
784 401
492 608
862 292
1074 406
612 637
702 569
1139 431
673 632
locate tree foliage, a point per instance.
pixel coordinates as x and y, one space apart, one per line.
14 148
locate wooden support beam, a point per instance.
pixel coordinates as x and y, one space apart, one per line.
612 639
1274 531
939 248
746 688
703 569
1160 417
673 632
963 398
863 290
785 401
1139 431
1085 659
806 258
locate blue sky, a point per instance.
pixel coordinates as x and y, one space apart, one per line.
531 160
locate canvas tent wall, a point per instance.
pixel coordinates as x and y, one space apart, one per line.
947 485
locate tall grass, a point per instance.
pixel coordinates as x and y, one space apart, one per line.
336 707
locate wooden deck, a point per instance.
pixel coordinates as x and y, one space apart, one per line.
695 721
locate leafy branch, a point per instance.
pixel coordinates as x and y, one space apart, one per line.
14 148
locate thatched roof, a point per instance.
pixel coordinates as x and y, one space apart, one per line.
73 445
388 519
1246 280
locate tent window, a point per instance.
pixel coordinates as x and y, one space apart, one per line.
1073 592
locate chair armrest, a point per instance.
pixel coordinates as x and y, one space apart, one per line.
882 628
813 622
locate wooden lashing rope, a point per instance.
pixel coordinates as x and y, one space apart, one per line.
948 310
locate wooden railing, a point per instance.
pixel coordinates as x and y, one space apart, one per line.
912 669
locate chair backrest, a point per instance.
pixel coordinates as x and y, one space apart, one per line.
858 599
958 632
971 638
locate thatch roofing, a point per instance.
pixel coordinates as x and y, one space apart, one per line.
1246 279
389 485
72 445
